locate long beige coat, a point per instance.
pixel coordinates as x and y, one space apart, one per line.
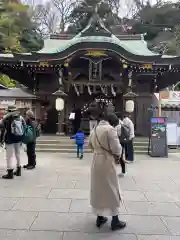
105 195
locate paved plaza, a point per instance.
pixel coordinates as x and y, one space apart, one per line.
52 202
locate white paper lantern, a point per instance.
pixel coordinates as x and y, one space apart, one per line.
129 106
59 104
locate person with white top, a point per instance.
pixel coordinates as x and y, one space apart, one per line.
129 145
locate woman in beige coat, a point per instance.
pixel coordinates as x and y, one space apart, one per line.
105 194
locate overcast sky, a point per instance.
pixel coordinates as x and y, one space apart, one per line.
124 5
153 1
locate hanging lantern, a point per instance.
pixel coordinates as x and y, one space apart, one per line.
129 106
59 104
66 64
125 66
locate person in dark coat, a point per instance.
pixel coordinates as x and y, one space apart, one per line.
31 147
76 122
120 129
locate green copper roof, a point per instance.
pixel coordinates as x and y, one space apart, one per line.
6 55
138 47
168 56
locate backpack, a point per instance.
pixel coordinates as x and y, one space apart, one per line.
17 127
125 134
29 135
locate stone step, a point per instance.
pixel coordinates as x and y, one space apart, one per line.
66 150
73 146
67 139
73 151
71 143
63 144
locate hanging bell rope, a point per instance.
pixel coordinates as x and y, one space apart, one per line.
113 91
103 90
89 90
76 89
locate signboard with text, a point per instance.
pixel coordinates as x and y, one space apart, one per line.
174 95
158 139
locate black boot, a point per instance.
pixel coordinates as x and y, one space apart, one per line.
25 166
9 175
116 224
31 167
81 157
101 221
18 172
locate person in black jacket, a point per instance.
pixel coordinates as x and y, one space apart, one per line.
12 122
31 147
76 122
122 136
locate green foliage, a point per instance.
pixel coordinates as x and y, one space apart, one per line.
30 40
7 82
173 46
159 22
16 28
17 33
152 19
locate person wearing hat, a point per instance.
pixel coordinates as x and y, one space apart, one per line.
31 146
11 135
105 193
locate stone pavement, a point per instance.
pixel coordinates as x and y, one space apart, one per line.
51 203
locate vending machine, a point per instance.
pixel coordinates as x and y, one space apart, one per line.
158 138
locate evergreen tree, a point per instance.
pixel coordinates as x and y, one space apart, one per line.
17 35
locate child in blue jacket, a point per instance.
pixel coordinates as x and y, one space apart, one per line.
79 138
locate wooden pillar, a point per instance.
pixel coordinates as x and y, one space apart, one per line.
34 82
159 106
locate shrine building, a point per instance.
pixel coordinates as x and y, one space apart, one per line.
92 65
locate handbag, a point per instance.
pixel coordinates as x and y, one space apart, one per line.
116 158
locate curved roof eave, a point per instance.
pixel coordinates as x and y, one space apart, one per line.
39 56
131 50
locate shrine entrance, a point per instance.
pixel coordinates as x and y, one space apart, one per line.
85 101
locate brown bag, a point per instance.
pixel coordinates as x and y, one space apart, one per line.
116 158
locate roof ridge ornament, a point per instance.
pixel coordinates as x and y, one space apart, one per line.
95 24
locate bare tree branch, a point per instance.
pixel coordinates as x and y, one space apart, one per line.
64 8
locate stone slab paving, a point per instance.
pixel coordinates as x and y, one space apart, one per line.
52 202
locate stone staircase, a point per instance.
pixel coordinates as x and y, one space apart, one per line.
63 144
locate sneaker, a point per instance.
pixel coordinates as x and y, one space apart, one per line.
122 174
128 162
30 167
